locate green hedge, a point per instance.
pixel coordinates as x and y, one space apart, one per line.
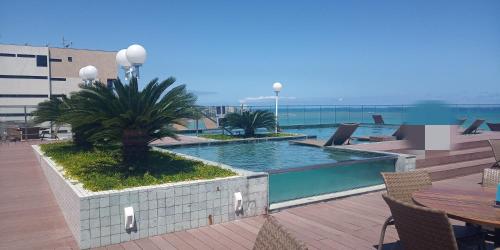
100 169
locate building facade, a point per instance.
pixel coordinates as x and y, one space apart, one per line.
29 74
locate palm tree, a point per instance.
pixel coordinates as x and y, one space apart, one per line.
131 116
56 111
249 121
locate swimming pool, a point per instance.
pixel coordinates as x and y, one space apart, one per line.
298 171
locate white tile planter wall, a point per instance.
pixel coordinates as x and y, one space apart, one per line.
97 218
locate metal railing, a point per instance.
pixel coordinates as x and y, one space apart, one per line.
296 115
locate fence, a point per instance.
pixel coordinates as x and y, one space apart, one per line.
290 115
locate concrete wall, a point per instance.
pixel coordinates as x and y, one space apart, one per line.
104 61
160 209
24 68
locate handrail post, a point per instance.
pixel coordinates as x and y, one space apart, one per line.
25 124
320 115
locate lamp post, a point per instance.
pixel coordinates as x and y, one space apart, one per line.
88 74
277 88
130 59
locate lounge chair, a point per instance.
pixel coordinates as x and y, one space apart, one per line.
472 129
272 235
425 228
401 186
493 126
14 134
495 147
342 135
399 134
378 119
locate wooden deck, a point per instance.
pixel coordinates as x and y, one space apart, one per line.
30 217
32 220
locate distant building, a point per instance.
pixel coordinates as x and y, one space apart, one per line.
29 74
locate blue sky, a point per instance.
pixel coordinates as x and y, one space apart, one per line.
324 52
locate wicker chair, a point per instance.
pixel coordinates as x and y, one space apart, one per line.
491 177
272 235
495 146
420 227
401 186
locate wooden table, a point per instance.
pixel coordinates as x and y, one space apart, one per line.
472 204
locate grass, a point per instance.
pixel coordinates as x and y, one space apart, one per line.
100 169
224 137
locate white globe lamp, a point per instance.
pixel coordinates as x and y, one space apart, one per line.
121 58
277 88
136 54
90 72
81 74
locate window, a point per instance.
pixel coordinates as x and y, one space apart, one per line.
58 79
41 61
22 77
70 59
26 55
109 83
55 60
22 96
7 54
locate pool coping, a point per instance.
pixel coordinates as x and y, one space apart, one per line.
324 197
245 140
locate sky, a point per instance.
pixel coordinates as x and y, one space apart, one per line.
323 52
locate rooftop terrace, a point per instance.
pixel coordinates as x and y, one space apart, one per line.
32 218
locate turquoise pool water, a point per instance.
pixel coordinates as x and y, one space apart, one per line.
298 171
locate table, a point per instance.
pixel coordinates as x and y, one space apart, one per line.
472 204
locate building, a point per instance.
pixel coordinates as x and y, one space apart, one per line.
30 74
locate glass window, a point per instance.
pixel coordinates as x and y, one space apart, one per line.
41 61
109 83
7 54
70 59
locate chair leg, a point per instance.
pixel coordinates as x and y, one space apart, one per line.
387 222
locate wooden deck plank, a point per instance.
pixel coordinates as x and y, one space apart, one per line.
242 241
176 241
215 235
211 243
192 241
240 231
130 245
146 243
162 243
114 247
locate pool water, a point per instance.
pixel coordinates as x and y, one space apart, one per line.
298 171
269 155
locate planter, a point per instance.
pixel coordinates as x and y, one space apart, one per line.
97 218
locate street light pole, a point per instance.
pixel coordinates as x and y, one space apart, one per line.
130 59
277 88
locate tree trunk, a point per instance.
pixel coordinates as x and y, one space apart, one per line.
134 145
249 132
